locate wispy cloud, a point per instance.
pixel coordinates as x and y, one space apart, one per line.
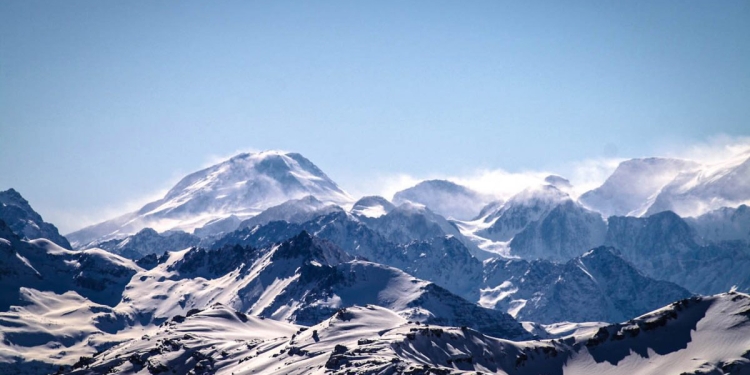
716 149
214 159
584 175
498 183
71 220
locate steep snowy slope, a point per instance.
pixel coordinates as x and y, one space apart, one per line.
597 286
724 224
633 184
724 184
664 246
16 212
691 336
148 241
242 186
444 198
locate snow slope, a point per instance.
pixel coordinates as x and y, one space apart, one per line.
691 336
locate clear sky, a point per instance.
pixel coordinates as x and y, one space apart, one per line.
104 103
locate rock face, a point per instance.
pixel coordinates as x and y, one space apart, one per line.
16 212
630 188
444 198
242 186
148 241
664 246
597 286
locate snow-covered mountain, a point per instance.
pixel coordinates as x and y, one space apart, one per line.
282 274
690 336
692 193
541 222
413 222
561 234
448 263
301 280
519 211
148 241
723 224
442 259
665 247
633 185
597 286
16 212
242 186
445 198
44 266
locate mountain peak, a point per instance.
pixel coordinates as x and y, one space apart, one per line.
243 185
630 187
24 221
445 198
372 206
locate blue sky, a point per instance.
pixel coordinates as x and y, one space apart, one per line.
104 104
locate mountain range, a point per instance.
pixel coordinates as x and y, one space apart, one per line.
438 279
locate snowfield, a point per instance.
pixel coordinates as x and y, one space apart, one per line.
697 335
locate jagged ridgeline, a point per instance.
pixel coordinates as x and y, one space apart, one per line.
263 264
